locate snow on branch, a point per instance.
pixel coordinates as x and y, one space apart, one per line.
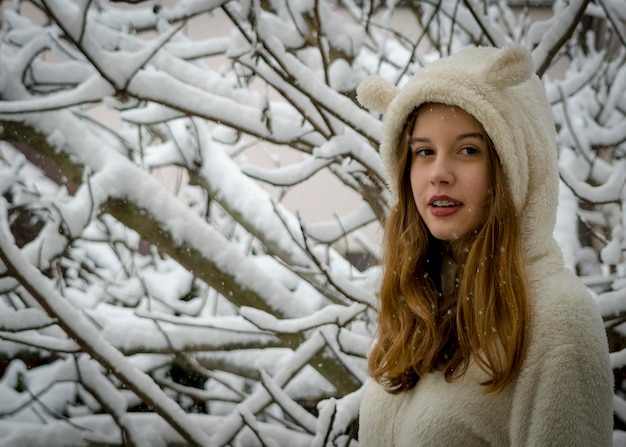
331 314
24 319
336 417
288 175
491 32
91 341
233 423
332 231
612 190
178 269
39 341
289 406
554 32
340 106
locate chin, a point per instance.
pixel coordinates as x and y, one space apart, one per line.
445 236
451 235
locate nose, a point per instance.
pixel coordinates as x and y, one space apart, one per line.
442 171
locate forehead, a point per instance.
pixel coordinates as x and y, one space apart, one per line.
434 114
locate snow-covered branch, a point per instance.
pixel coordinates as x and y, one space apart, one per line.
173 245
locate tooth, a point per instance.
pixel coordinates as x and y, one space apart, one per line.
443 203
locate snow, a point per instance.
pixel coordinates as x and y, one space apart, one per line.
359 120
612 303
88 335
557 26
611 190
283 30
219 295
336 416
88 91
295 411
151 332
330 231
559 90
20 320
342 35
566 232
41 341
289 175
342 76
232 423
117 177
611 254
92 379
330 314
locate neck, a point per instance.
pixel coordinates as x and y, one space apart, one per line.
457 250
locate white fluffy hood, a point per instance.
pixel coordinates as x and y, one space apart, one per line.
498 87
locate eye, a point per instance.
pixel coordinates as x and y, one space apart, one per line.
422 152
469 150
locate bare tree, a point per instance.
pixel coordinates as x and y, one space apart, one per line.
211 312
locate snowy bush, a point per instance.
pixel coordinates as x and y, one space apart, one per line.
161 285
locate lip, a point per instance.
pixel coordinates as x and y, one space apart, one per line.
443 211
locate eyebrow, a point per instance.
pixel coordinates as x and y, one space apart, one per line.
458 138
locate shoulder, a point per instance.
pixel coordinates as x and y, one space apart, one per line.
377 413
563 312
564 391
375 399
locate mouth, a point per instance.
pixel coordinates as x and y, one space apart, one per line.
443 207
444 203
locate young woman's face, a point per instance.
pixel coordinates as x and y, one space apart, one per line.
449 170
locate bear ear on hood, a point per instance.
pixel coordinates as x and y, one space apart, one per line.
511 66
375 93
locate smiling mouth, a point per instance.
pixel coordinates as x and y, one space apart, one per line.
444 203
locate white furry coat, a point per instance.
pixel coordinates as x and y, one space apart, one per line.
563 394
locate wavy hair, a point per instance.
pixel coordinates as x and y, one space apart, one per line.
486 322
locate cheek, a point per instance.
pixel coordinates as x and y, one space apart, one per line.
417 193
481 185
486 188
416 185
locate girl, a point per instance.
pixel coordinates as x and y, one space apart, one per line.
484 338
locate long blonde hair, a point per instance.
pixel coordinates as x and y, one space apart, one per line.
421 331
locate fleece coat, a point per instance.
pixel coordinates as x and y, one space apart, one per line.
563 393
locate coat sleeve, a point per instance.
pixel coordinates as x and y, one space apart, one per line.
564 398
